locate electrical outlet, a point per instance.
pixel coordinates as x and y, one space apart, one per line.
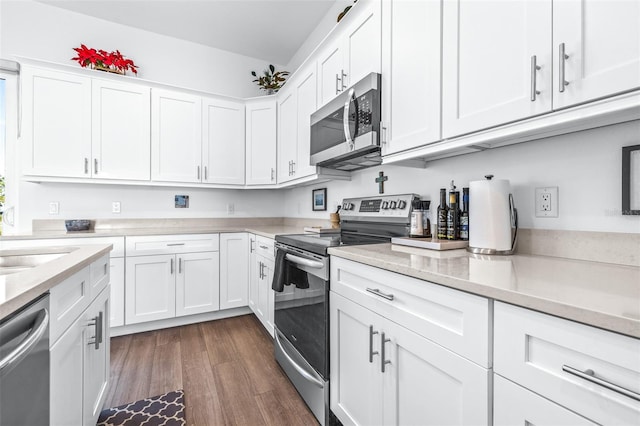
231 208
54 207
115 207
546 202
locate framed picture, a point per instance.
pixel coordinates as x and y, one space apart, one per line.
631 180
319 199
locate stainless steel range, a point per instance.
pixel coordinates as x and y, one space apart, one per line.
301 282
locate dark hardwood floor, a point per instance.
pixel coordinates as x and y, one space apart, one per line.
226 368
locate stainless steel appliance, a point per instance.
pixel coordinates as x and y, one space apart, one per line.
301 281
24 366
345 133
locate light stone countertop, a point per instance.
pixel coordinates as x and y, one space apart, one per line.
20 288
598 294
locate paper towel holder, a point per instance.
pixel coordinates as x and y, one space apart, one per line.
514 232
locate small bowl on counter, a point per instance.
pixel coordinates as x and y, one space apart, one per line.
77 225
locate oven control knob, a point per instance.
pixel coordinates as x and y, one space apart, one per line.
348 206
392 205
385 205
402 204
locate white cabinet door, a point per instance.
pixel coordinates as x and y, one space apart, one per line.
151 288
176 136
261 142
223 142
602 42
116 275
234 272
361 49
121 137
306 99
96 357
197 283
287 134
66 358
515 405
330 72
356 386
410 77
487 71
427 384
57 123
254 274
269 268
265 296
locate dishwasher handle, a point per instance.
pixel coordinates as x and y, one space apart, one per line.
22 350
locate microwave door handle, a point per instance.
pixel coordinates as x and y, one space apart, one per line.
345 118
302 261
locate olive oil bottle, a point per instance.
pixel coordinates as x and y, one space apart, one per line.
442 215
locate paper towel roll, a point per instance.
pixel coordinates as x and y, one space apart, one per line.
489 214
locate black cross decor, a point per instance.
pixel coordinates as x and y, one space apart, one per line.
380 181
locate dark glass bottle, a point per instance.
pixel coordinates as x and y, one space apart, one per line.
442 215
453 217
464 216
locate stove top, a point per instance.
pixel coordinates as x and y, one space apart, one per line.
319 244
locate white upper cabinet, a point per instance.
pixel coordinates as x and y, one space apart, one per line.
57 123
121 142
601 42
223 142
307 102
287 133
410 77
176 136
261 141
489 76
353 53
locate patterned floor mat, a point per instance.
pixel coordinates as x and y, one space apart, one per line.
162 410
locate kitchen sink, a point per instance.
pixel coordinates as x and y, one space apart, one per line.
12 264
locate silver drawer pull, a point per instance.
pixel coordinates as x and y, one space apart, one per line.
561 63
174 244
383 361
377 292
590 376
371 351
263 247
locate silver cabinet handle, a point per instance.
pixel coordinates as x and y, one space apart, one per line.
174 244
179 265
590 376
263 247
86 165
342 80
383 133
377 292
345 118
562 57
96 322
206 173
95 166
198 172
337 80
100 328
293 167
272 173
252 247
371 352
302 261
534 68
383 362
39 327
171 266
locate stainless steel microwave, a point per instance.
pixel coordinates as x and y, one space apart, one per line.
345 133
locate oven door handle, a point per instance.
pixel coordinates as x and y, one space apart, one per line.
302 261
295 365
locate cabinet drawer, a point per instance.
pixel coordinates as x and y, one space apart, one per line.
456 320
117 242
265 247
515 405
163 244
68 300
100 274
533 348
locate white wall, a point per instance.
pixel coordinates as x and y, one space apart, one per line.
586 166
49 33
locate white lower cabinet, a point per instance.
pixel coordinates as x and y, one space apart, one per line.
117 292
197 289
79 355
234 273
405 351
261 296
515 405
151 288
383 373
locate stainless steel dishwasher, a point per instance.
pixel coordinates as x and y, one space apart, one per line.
24 366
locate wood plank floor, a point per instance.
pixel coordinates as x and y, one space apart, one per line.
226 368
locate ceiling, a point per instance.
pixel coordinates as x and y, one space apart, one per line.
271 30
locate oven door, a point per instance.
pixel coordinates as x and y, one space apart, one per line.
302 308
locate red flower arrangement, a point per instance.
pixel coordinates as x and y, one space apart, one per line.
101 59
